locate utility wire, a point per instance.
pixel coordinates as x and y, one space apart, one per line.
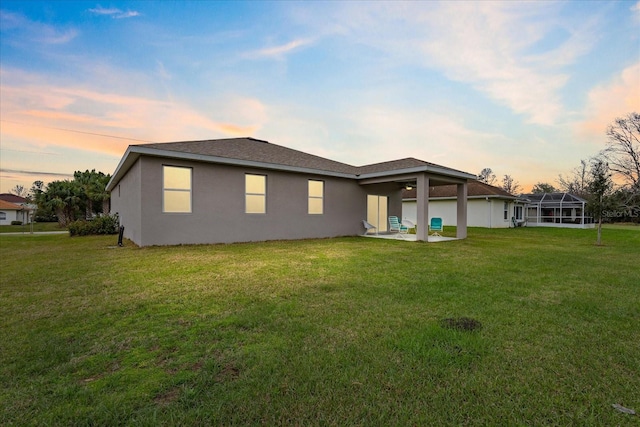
77 131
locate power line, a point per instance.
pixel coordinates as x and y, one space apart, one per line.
77 131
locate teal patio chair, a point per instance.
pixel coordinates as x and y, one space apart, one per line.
436 226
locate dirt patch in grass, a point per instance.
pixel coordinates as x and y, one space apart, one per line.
167 397
229 372
461 324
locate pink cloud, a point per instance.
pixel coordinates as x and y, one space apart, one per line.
76 117
614 99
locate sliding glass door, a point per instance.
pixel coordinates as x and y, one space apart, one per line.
377 207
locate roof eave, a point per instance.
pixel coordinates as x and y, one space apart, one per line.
420 169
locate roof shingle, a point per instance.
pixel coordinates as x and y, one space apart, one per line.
474 189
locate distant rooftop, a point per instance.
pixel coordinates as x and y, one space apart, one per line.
8 197
474 189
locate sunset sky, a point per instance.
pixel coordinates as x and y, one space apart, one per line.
525 88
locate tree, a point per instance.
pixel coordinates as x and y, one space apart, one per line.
94 195
37 188
543 187
577 182
510 185
487 176
600 186
84 196
63 198
623 150
19 190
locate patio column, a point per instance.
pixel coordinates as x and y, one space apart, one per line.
461 232
422 200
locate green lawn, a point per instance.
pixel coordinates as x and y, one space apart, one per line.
322 332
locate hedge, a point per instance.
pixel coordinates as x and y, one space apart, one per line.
104 224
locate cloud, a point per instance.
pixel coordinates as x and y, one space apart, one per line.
113 12
88 119
280 51
515 53
20 30
635 10
609 101
26 172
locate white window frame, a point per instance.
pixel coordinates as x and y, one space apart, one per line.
248 194
313 198
506 211
171 190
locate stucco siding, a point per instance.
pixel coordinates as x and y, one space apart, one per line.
218 206
10 215
480 212
126 199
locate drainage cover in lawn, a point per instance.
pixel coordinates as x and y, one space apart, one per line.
461 324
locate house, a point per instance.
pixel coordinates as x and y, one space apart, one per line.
556 210
487 206
245 189
14 208
12 212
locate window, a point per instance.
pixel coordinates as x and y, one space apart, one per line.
316 196
3 216
255 194
176 185
506 211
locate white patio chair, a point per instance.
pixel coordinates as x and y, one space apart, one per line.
368 227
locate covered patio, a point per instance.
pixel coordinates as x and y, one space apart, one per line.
384 183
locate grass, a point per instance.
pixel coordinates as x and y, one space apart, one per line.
345 331
26 228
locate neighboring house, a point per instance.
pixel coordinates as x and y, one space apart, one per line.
487 206
12 212
556 210
244 189
25 211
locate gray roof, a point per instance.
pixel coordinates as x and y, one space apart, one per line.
475 189
253 152
250 149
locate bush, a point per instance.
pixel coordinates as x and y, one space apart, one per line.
16 222
104 224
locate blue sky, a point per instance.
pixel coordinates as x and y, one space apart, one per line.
525 88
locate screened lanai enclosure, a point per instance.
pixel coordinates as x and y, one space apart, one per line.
556 210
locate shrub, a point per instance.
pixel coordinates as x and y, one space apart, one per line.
104 224
16 222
